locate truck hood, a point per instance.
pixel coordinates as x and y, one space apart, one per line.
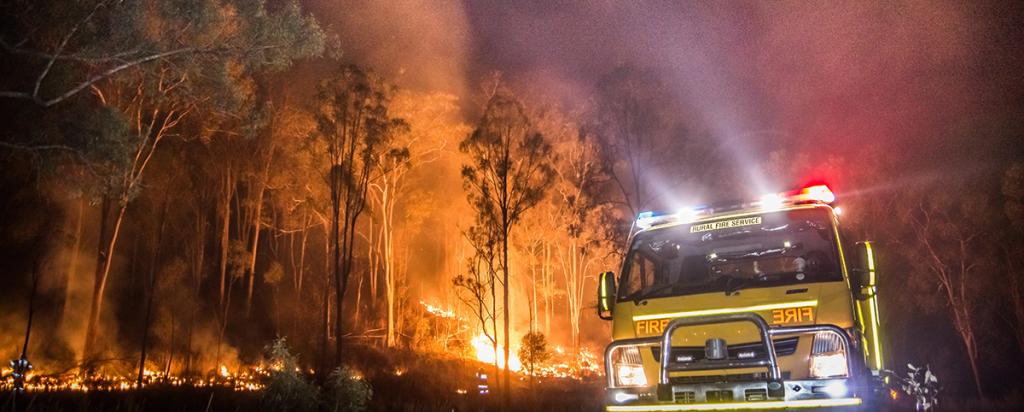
788 305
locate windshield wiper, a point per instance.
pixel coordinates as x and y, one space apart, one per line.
644 294
744 283
729 279
746 254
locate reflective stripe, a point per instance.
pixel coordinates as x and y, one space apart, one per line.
604 291
756 308
805 403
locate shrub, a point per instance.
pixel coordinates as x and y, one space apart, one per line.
347 391
287 390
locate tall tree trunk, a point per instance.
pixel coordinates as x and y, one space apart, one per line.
336 270
342 283
533 291
506 392
359 298
170 349
302 257
256 224
100 261
387 234
966 330
154 261
103 263
494 324
225 246
73 261
373 253
548 295
188 352
1016 288
252 256
299 274
31 308
325 300
224 319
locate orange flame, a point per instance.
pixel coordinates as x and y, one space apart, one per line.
485 353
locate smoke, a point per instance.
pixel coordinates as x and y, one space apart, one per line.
787 89
917 77
418 44
790 90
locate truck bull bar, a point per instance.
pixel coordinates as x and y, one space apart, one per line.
770 361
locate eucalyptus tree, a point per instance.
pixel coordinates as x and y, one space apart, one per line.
429 121
144 66
508 173
949 233
354 129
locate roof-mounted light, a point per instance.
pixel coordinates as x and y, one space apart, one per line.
646 220
809 194
770 201
773 201
819 193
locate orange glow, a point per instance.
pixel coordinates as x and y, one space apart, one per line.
247 379
485 353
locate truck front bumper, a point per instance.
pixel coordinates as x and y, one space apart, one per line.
772 392
811 393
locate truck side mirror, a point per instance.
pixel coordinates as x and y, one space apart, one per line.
866 271
605 295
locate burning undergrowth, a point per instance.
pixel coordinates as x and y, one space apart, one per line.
450 359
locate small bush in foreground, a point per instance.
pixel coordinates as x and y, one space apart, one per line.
287 390
347 391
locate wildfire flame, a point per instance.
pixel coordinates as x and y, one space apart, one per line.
439 311
246 379
485 353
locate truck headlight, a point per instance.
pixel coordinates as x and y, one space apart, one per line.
828 365
628 368
828 359
630 375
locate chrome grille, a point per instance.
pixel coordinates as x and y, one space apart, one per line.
783 347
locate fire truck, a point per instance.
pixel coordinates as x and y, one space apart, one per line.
761 304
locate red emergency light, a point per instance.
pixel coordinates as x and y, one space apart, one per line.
816 193
809 194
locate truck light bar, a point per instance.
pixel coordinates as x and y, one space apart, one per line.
817 193
809 194
652 218
803 403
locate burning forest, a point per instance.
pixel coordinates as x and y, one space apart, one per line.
324 205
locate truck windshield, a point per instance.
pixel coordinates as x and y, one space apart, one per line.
771 249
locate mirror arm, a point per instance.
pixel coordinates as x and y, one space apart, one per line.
857 284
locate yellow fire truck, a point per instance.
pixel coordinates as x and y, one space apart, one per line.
751 305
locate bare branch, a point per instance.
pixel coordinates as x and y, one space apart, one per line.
103 75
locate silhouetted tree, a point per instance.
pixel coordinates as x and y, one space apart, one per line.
533 351
948 230
509 172
354 125
1013 246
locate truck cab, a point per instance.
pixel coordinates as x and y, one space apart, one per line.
746 305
